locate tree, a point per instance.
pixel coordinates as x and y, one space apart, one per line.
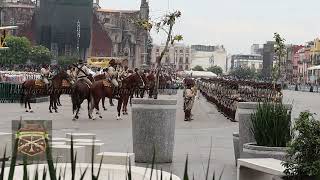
280 51
243 73
67 60
215 69
18 52
165 24
198 68
40 54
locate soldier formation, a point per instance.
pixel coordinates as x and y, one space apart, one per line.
226 94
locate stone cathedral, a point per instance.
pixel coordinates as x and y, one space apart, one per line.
104 32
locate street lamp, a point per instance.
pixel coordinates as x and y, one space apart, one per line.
78 36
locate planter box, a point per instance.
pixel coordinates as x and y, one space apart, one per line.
153 127
243 115
253 151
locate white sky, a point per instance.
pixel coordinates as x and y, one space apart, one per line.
236 24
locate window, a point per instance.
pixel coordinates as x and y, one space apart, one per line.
180 67
187 60
181 51
106 20
167 60
180 60
158 50
187 67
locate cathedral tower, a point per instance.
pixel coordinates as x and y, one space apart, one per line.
144 10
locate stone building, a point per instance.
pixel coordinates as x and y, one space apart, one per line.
113 33
207 56
252 61
178 56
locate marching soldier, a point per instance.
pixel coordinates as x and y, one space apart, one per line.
82 72
188 96
45 74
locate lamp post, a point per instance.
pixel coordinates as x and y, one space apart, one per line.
78 37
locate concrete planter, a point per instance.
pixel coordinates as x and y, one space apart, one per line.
253 151
243 115
167 91
236 147
153 126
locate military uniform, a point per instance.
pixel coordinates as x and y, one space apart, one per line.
82 72
45 73
113 74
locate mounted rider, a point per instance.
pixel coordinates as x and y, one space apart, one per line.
82 72
45 75
113 75
124 73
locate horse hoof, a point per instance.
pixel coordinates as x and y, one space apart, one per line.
97 112
56 111
105 109
77 117
111 104
100 117
74 119
50 111
31 111
27 111
119 118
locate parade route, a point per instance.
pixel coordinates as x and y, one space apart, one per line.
192 138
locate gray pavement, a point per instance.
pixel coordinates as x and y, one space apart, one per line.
192 138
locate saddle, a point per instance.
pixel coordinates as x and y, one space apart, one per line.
39 83
65 83
106 83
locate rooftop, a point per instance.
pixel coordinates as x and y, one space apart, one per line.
117 11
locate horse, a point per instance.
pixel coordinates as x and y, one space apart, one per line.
38 88
81 92
98 78
103 88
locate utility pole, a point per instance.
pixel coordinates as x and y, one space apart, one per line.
78 37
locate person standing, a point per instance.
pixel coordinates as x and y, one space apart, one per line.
188 96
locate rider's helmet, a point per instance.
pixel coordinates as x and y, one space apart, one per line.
112 62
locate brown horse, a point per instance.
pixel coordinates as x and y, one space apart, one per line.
98 78
32 88
103 88
81 92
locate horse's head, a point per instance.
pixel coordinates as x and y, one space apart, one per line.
136 80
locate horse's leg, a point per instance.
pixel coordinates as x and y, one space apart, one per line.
103 101
30 109
89 108
58 100
55 102
111 102
125 105
25 103
50 104
119 107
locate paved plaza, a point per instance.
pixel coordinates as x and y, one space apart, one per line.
192 138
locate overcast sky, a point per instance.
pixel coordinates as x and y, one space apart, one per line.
236 24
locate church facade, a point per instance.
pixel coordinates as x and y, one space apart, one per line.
112 32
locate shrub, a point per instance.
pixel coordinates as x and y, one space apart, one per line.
271 125
303 156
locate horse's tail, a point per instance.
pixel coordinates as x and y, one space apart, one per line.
22 93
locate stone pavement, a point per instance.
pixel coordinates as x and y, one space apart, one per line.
192 138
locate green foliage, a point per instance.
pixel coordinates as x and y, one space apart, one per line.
198 68
243 73
215 69
18 52
280 50
40 55
67 60
303 156
271 125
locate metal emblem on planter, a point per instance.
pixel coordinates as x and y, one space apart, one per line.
32 139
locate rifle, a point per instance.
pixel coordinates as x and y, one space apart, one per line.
80 70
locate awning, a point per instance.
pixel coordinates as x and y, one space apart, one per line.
314 68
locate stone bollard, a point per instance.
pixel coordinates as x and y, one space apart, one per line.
153 127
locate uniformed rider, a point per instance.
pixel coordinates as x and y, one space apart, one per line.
45 74
82 72
113 75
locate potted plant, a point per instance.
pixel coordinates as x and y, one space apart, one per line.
271 128
302 161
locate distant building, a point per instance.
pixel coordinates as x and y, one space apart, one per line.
247 61
103 32
268 58
207 56
257 49
178 56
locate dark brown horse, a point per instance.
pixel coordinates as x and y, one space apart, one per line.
98 78
35 88
81 92
103 88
